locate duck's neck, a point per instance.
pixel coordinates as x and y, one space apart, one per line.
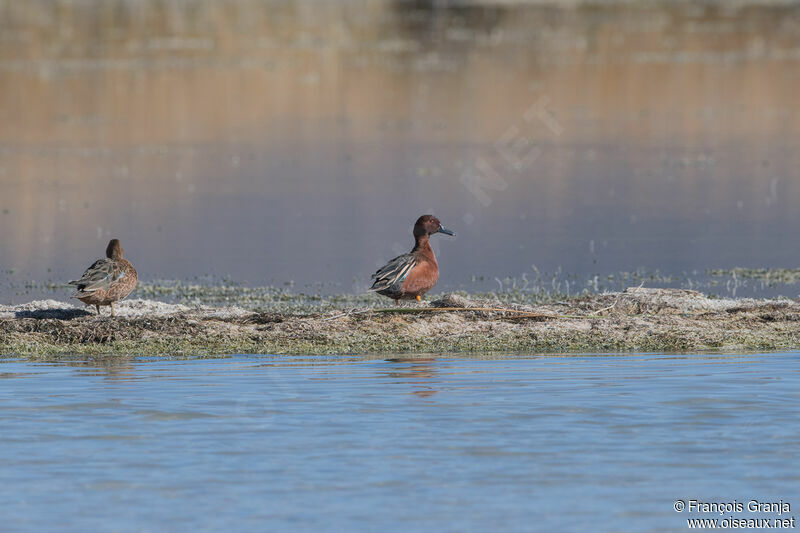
422 246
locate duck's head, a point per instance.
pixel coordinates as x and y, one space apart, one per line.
114 249
428 225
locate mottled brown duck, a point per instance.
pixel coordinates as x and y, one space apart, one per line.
108 280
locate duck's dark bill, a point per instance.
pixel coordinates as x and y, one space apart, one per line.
444 230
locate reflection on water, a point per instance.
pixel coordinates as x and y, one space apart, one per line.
435 444
274 141
416 371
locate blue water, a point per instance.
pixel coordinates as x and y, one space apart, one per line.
438 444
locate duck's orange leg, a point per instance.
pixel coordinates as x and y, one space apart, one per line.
419 298
396 302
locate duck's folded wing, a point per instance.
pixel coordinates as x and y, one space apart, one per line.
394 272
100 276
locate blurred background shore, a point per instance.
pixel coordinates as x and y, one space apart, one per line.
296 142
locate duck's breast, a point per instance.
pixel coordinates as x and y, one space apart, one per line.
125 285
422 278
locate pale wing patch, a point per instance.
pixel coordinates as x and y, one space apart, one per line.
394 272
100 276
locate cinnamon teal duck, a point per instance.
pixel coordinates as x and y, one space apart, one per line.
411 275
107 280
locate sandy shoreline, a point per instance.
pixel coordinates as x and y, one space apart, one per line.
634 320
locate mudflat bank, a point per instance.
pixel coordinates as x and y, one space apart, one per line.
637 319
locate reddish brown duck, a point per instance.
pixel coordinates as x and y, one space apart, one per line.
413 274
107 280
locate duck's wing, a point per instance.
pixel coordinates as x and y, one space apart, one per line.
100 276
393 272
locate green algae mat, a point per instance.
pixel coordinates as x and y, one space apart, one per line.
638 319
